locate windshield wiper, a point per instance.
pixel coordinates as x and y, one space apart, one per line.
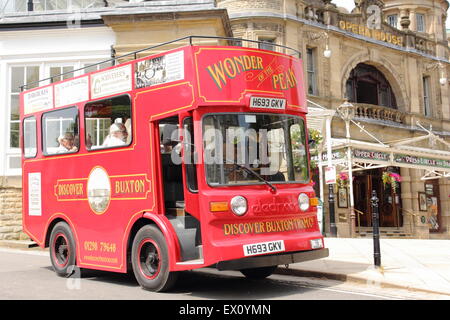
256 175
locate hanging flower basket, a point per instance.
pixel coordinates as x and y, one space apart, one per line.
342 180
391 178
315 139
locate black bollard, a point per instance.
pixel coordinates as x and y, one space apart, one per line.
376 230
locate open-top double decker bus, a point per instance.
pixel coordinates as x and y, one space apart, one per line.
190 158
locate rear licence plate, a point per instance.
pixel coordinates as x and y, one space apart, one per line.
263 247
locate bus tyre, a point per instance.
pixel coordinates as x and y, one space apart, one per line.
258 273
62 249
150 260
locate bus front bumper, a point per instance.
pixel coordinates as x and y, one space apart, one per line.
272 260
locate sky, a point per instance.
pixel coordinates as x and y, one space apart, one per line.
350 4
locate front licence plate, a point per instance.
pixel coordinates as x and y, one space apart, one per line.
267 103
263 247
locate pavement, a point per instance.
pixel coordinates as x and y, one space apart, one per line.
412 264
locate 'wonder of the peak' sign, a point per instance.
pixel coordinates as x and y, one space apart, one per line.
235 74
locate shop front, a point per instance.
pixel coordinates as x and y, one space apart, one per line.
410 182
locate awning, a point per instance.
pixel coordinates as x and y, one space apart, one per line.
365 155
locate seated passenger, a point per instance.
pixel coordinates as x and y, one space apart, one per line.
66 143
117 136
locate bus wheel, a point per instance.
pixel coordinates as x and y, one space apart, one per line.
62 249
258 273
150 260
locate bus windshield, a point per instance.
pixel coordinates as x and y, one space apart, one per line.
271 145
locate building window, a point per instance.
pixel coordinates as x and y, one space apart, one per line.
367 84
267 44
392 20
311 70
61 73
90 67
19 77
420 22
426 97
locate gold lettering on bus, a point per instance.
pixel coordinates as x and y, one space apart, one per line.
130 186
285 80
71 189
231 229
229 68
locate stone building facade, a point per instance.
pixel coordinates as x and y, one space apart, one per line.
389 58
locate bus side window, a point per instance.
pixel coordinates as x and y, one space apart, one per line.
60 131
108 123
29 137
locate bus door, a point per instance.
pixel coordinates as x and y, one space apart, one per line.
171 169
179 183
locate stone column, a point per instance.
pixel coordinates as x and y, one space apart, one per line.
334 74
412 18
407 198
417 185
444 192
414 87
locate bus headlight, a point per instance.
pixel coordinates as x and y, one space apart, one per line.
238 205
303 202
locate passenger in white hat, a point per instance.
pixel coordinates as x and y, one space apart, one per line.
117 136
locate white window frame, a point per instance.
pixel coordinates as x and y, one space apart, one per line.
312 72
392 20
84 64
13 152
48 66
102 130
420 27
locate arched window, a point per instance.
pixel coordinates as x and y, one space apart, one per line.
368 85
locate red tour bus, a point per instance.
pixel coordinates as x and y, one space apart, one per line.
191 158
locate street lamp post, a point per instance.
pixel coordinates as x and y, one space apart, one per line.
329 180
347 112
331 201
376 231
